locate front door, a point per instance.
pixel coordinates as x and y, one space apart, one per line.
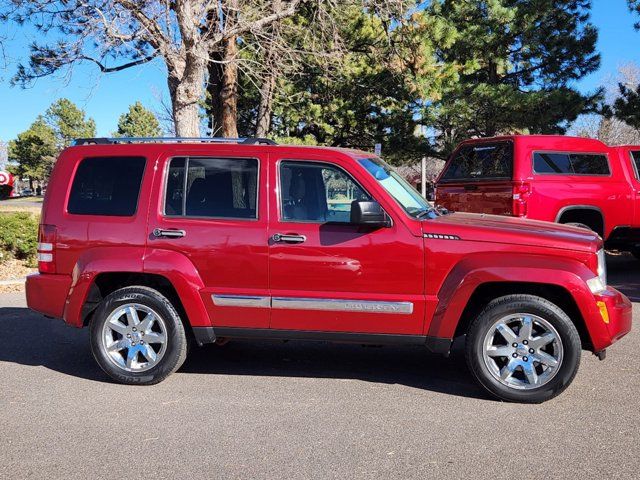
328 275
214 212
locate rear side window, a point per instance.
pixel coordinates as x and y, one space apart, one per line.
212 187
107 186
635 157
479 162
570 163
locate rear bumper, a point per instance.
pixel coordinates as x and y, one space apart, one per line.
47 293
619 311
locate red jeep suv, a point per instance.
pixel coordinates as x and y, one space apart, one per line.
577 181
152 243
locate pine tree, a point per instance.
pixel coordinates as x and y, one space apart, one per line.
34 151
517 62
627 106
634 6
138 122
68 122
370 93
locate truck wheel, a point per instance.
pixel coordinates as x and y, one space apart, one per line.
523 348
137 336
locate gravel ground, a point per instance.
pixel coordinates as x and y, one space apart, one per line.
304 410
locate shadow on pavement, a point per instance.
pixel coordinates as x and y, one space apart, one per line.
27 338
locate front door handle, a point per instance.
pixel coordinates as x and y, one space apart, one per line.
171 233
288 238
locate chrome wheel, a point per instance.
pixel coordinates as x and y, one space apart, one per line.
134 337
522 351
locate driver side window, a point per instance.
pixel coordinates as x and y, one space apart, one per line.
317 193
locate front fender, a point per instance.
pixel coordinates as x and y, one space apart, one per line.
476 270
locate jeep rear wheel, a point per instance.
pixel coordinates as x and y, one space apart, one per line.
523 348
137 336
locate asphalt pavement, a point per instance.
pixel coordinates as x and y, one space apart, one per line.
305 410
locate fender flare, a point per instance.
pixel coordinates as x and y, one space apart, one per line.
173 266
476 270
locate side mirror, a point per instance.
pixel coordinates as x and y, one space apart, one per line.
369 213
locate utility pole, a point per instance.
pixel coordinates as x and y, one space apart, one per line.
424 177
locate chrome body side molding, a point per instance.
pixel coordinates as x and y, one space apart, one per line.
241 301
335 305
324 304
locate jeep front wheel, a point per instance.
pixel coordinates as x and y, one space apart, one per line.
523 348
137 336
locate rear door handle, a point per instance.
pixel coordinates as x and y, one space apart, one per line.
288 238
170 233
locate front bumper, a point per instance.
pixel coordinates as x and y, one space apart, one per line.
619 313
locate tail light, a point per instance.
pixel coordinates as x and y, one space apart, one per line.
47 249
521 194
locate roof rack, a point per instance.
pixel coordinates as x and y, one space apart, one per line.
120 140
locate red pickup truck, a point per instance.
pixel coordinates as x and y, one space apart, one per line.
156 244
578 181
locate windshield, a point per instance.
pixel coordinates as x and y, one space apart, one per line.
408 198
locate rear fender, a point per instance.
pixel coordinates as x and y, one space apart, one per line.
91 263
175 267
184 277
474 271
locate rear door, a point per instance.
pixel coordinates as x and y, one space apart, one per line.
478 178
213 210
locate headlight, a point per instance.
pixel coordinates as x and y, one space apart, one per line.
599 284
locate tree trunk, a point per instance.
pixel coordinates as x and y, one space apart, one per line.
186 89
229 93
267 89
265 109
214 88
223 91
223 82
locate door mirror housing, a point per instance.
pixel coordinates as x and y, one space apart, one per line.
369 213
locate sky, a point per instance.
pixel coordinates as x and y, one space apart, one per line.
106 97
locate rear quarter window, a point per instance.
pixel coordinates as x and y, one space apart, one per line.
635 158
487 161
107 186
570 163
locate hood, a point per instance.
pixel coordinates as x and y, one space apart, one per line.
512 230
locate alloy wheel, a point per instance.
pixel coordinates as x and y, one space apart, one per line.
522 351
134 337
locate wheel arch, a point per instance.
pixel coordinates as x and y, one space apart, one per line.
590 215
106 283
556 294
475 281
101 271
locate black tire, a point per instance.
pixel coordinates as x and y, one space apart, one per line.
175 347
532 305
635 251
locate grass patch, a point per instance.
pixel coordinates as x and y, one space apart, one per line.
19 237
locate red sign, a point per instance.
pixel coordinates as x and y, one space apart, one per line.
6 178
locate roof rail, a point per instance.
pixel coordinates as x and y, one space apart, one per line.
119 140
